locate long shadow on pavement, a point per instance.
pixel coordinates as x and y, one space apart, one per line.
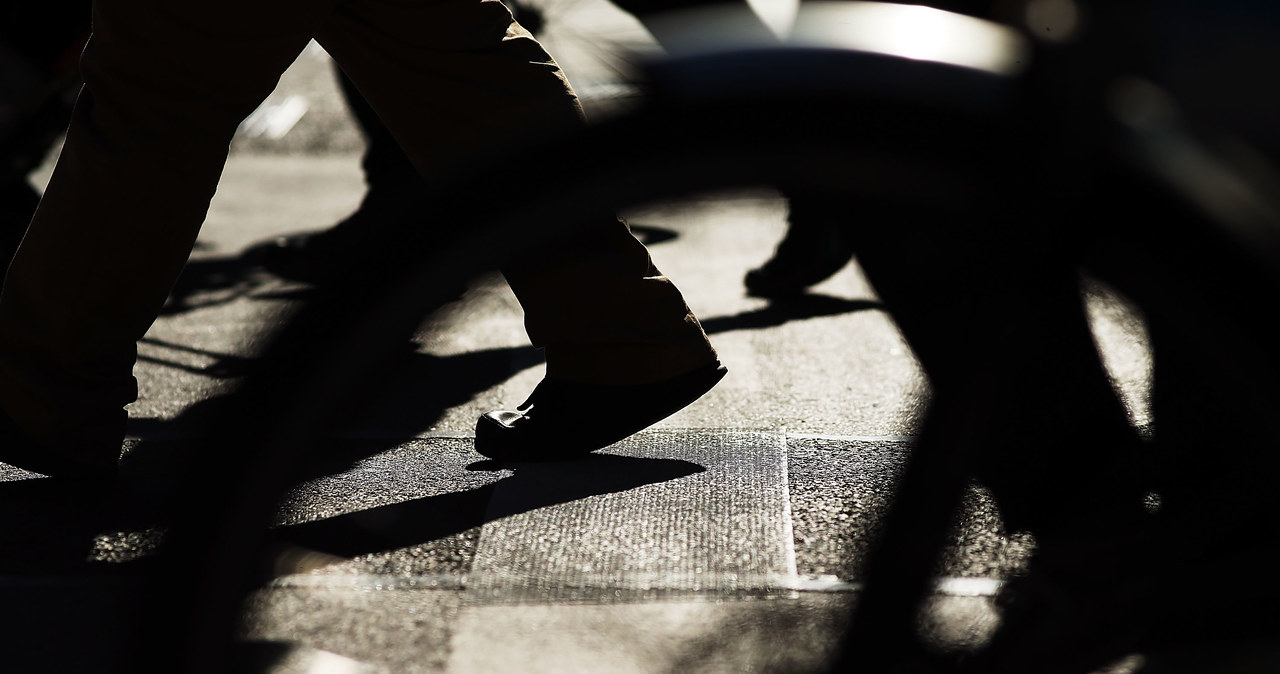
530 486
46 529
421 381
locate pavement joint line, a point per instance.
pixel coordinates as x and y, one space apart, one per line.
470 435
368 581
788 518
767 585
850 438
808 584
162 436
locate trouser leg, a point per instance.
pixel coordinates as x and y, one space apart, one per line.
600 309
166 85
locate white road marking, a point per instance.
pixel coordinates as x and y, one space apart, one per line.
274 118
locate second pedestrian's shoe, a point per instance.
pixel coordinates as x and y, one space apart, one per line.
308 257
814 248
563 420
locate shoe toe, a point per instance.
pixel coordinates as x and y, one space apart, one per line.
505 418
502 434
576 419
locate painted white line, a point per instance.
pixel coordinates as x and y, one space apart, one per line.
969 587
274 118
948 586
606 91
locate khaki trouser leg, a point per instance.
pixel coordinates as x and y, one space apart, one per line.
450 77
166 85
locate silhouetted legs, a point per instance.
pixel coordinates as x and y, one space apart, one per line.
166 86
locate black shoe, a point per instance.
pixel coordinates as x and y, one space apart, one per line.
563 420
95 465
398 204
809 253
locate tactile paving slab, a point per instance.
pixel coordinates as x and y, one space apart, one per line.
659 514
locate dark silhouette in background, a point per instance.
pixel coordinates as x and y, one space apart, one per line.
990 301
